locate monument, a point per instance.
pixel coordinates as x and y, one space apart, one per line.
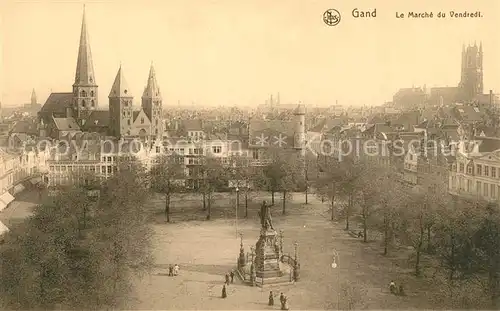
267 249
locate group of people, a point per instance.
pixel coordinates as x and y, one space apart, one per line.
173 270
394 290
229 278
283 300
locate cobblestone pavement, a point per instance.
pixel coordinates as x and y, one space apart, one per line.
207 250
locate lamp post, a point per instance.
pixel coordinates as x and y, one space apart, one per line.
236 209
334 266
242 261
252 267
296 267
281 241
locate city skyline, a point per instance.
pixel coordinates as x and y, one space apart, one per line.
237 54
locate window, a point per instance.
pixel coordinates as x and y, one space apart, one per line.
156 131
485 190
478 187
128 121
83 93
492 190
469 169
190 150
92 169
110 169
255 154
91 92
479 170
109 159
486 170
181 151
216 149
103 159
461 168
92 103
103 169
493 172
469 185
142 120
157 149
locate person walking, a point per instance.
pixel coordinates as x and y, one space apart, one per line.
392 287
170 271
224 292
282 297
271 298
227 279
176 269
232 276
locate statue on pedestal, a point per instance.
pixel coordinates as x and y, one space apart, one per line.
266 219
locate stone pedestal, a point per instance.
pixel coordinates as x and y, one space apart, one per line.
267 255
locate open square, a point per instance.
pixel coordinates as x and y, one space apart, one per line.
206 251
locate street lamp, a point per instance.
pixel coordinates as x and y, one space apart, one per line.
281 241
296 266
335 263
236 209
242 260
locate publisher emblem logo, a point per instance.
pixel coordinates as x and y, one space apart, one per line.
331 17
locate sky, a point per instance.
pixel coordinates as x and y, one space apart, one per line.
238 52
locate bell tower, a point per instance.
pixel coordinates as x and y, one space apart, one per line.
120 107
85 87
152 103
471 81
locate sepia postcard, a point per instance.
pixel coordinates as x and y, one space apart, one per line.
249 155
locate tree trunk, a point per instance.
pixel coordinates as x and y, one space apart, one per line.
204 202
209 205
272 197
284 201
167 206
419 247
333 201
246 204
429 245
307 193
386 233
348 210
365 239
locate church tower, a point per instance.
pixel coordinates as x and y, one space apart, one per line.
471 81
85 87
33 98
152 103
120 107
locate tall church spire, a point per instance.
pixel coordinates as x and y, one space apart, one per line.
33 97
84 66
152 89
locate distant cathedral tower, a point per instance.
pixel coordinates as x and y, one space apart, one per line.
33 98
120 107
152 103
85 87
471 81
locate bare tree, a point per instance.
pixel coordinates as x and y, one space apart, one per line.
166 176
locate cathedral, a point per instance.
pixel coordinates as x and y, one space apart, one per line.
77 111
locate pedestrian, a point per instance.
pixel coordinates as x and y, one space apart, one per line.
176 269
282 297
401 290
170 270
227 279
224 293
284 305
392 287
232 276
271 298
